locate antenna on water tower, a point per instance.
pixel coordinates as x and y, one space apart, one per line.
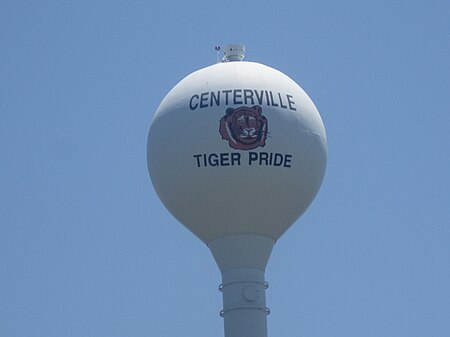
217 49
222 178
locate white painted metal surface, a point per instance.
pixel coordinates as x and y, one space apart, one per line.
242 259
216 190
237 152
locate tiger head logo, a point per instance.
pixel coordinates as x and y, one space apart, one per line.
244 128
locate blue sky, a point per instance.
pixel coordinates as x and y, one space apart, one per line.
86 247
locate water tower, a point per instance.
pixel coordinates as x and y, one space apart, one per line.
237 152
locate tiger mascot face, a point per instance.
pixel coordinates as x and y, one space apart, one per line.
244 128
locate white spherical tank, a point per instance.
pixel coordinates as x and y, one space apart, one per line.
237 148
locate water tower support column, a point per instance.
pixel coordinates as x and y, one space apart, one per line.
242 260
244 302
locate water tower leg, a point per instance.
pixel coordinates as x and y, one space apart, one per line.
242 259
244 303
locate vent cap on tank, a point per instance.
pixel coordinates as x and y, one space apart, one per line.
234 52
